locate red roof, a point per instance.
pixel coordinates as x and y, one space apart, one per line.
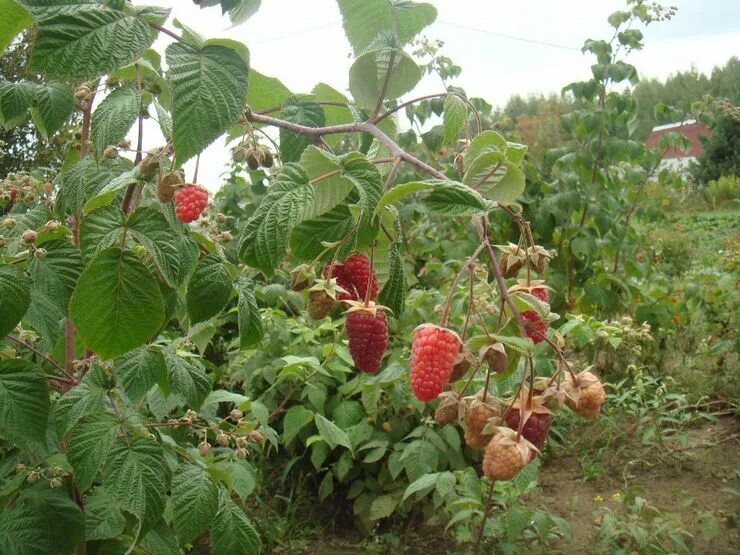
690 129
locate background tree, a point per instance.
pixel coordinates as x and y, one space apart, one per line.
22 147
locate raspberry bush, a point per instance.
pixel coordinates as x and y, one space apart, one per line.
161 359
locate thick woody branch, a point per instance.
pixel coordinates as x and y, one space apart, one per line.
358 127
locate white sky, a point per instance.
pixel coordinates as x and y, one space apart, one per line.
302 43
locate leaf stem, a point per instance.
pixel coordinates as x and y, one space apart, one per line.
68 376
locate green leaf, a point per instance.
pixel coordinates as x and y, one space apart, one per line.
331 186
307 238
209 288
209 88
113 118
449 197
334 115
62 521
369 186
110 191
117 304
393 294
364 19
383 506
137 477
295 420
87 398
368 73
331 433
51 107
151 229
298 110
55 276
15 297
242 478
24 401
81 40
240 10
81 181
187 378
89 444
232 533
250 321
15 100
265 92
456 112
266 236
139 370
427 481
103 518
194 502
14 20
22 531
99 230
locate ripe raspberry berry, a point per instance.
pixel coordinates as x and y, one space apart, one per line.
13 194
358 271
319 304
536 288
367 331
476 417
505 456
585 394
536 329
537 419
190 201
337 272
541 293
433 353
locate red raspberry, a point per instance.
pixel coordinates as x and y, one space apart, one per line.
433 353
367 331
541 293
13 194
343 281
190 201
358 271
535 327
535 428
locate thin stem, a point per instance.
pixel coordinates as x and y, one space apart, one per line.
197 167
317 102
47 358
471 302
453 286
392 173
401 106
486 514
502 287
128 196
165 31
386 82
368 288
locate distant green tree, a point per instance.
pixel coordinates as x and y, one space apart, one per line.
681 89
721 156
22 147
